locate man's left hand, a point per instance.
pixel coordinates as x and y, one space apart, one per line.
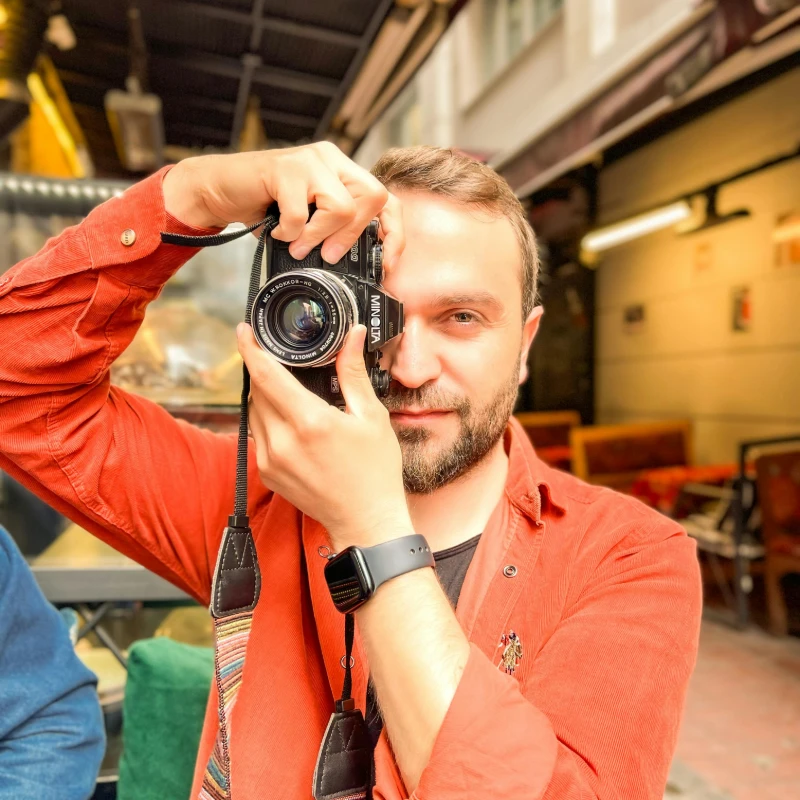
342 469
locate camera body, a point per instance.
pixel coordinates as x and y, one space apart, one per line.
306 307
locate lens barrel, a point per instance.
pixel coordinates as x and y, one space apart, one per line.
302 317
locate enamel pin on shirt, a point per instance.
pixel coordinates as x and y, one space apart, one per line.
512 652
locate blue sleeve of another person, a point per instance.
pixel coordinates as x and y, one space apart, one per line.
51 726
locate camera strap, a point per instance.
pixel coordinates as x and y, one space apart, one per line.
344 769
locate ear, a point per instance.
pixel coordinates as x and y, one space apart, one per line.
528 332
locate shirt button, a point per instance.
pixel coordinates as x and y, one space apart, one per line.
128 237
509 570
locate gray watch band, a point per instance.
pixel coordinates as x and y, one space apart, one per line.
396 557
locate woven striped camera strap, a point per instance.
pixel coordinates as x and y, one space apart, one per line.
237 578
345 765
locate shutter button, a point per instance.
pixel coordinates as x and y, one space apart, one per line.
128 237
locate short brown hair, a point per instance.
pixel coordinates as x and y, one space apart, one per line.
456 176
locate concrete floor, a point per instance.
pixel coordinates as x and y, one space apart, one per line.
740 738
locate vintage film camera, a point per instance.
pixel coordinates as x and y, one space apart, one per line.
304 310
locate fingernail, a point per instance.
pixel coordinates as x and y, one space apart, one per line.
299 253
240 329
334 254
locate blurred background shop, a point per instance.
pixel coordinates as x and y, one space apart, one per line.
656 146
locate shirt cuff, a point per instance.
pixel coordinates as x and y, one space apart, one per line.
125 233
492 740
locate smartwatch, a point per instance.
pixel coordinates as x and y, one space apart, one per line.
355 574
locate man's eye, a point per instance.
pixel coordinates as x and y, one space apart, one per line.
464 317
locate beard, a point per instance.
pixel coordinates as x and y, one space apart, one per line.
480 429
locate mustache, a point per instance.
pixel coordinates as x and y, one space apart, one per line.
428 397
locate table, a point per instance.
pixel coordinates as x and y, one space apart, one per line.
79 569
725 532
661 487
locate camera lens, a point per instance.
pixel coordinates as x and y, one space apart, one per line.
301 320
302 316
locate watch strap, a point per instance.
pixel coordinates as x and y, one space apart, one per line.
396 557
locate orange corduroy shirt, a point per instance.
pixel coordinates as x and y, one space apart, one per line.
604 595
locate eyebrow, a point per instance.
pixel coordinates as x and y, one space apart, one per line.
479 298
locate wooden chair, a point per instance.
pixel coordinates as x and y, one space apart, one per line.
613 455
550 433
778 481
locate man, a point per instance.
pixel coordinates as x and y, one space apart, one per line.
51 727
601 593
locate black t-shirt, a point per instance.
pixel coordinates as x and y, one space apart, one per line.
451 569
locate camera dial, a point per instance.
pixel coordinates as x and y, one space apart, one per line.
376 263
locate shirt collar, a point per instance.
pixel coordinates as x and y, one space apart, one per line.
531 484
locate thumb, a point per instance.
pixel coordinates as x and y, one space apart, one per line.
353 379
246 341
258 363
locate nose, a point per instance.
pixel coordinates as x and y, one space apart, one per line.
411 358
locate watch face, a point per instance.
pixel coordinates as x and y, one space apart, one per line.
348 580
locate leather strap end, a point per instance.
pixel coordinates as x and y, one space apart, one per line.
237 578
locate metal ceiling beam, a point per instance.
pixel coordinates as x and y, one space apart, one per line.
102 84
295 81
232 68
250 62
101 39
371 31
195 101
212 64
203 132
256 20
286 118
90 81
301 29
192 101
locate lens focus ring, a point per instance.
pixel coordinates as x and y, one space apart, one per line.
302 317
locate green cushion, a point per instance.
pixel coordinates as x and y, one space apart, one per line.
165 702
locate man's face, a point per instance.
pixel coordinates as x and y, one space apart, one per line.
456 368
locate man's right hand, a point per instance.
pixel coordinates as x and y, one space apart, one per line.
214 190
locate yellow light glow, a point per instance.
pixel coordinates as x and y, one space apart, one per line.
3 15
787 231
45 102
635 227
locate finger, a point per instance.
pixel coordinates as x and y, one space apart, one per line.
336 209
261 414
292 199
367 191
290 399
354 381
394 239
369 196
267 431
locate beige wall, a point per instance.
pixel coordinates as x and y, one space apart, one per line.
688 362
555 72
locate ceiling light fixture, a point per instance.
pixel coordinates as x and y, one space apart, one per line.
135 115
637 226
787 230
713 217
679 210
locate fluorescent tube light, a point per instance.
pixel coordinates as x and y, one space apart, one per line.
633 228
788 230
